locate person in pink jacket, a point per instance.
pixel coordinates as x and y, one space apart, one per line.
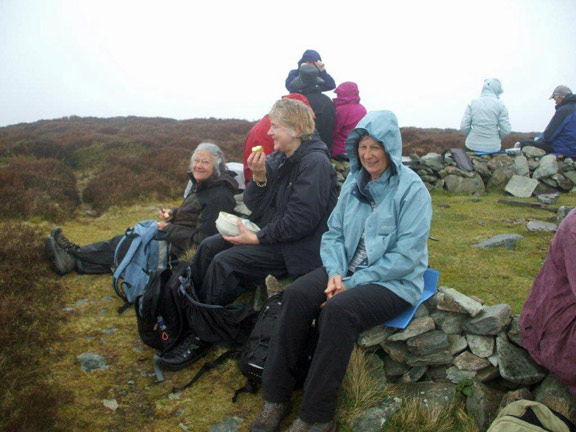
548 319
349 111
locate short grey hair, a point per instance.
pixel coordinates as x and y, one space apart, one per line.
214 150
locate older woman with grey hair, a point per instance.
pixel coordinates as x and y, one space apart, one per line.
210 190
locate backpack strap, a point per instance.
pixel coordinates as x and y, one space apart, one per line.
250 387
206 367
157 370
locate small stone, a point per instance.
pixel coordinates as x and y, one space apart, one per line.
541 226
457 344
394 368
493 359
434 359
228 425
416 327
456 375
549 198
469 361
491 321
562 213
415 374
454 301
81 302
482 404
501 240
482 346
374 336
110 331
90 362
373 419
396 350
111 404
428 343
435 396
514 331
516 365
449 322
520 186
532 152
547 167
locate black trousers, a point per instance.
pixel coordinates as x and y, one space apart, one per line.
222 271
98 257
339 323
547 147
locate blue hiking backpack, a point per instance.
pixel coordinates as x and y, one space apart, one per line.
147 253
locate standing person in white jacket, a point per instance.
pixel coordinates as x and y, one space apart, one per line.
485 120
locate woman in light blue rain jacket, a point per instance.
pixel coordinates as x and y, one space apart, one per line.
485 120
374 255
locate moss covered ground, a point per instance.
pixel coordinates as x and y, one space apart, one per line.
92 324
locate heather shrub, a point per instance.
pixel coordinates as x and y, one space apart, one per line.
43 188
129 179
30 313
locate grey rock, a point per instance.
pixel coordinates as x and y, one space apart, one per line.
456 375
483 404
521 187
554 394
396 350
434 359
449 322
481 167
110 331
394 368
374 336
514 331
516 365
432 395
469 361
416 327
532 152
81 302
482 346
550 181
500 178
493 359
228 425
68 309
456 171
428 343
428 178
570 175
421 312
515 395
547 167
489 373
454 301
563 182
548 198
562 213
541 226
373 419
90 362
111 404
520 166
437 373
490 321
433 160
499 162
457 344
507 241
415 374
463 185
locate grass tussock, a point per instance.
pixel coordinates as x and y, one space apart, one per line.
414 416
30 302
44 189
362 386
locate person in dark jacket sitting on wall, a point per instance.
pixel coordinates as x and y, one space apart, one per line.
211 190
291 195
312 58
560 134
308 83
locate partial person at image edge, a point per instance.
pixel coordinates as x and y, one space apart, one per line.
560 135
485 121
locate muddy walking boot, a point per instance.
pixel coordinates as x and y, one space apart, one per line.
57 247
300 425
270 417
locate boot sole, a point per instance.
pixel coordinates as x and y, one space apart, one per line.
180 366
49 245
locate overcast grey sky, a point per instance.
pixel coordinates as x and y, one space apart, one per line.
424 60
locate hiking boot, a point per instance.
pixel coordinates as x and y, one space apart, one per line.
62 262
62 241
270 417
301 426
191 349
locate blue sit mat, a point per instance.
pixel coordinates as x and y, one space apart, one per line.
431 277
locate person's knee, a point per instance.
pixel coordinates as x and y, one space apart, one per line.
338 310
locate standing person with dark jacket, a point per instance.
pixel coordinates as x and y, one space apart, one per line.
349 111
308 83
212 191
291 196
560 134
312 58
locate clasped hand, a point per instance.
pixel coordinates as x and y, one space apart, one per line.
335 287
244 237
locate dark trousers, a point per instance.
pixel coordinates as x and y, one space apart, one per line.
222 271
547 147
98 257
339 323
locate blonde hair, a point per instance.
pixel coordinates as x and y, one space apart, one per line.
295 115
